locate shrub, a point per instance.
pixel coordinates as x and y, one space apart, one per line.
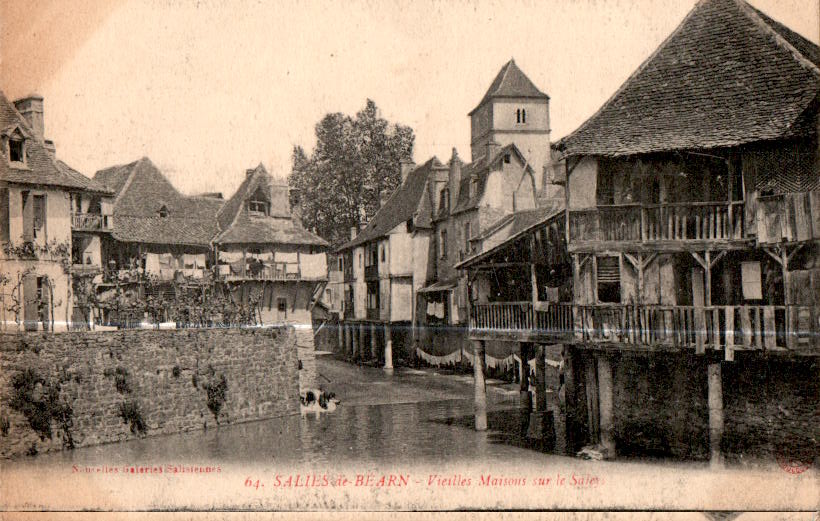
217 389
39 401
121 381
130 413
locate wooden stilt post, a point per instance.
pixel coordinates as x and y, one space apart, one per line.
388 349
605 405
341 334
715 401
480 387
374 353
362 335
346 335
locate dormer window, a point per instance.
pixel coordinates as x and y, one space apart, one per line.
258 204
507 158
163 211
521 116
16 150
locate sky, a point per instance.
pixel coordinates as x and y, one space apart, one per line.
207 89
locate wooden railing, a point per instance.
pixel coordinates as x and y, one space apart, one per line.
264 272
739 327
90 221
371 272
547 319
773 328
710 221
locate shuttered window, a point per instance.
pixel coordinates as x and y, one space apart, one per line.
609 279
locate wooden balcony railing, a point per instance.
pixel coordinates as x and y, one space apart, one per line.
711 221
371 272
521 317
91 221
739 327
263 272
772 328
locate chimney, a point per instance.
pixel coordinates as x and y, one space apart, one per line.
31 108
492 149
49 145
296 205
249 172
407 166
354 231
454 178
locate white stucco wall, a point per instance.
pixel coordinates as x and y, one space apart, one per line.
583 184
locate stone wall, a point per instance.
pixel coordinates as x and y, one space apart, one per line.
163 381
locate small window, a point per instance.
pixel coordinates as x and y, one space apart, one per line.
281 305
383 255
518 115
360 260
443 244
258 207
609 279
523 115
39 221
341 263
444 200
163 211
16 150
507 158
467 236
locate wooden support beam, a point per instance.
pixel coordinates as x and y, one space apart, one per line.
715 392
717 257
534 281
635 261
700 259
774 254
388 349
480 395
606 405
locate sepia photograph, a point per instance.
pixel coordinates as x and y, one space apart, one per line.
475 258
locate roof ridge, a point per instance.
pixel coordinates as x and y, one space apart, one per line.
637 71
129 180
762 24
394 194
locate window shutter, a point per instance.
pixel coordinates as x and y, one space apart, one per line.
608 269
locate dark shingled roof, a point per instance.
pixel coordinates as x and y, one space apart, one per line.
728 75
141 191
240 227
511 82
408 201
42 168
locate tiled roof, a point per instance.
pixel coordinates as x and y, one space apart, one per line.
727 75
408 201
511 82
41 167
480 169
240 227
141 191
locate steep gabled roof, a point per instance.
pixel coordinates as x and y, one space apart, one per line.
511 82
408 201
141 191
41 166
480 170
240 227
728 75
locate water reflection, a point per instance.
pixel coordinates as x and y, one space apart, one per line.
396 434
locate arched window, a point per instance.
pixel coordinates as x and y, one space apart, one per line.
523 115
163 211
518 115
